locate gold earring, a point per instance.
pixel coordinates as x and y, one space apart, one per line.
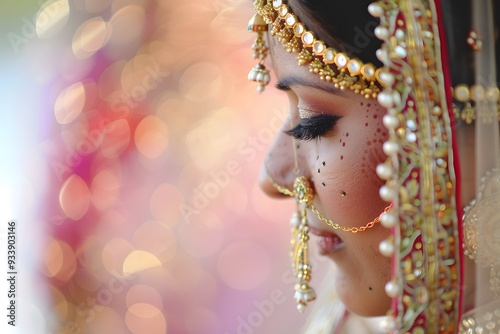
300 244
259 73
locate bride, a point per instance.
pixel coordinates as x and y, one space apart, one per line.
390 151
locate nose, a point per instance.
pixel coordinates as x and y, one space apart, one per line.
282 164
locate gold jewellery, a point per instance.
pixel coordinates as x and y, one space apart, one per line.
338 68
304 194
300 244
259 73
465 99
302 185
331 65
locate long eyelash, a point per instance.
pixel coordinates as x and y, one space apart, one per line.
313 127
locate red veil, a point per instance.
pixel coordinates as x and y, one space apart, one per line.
429 125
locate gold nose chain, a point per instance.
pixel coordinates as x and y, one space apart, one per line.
303 193
299 254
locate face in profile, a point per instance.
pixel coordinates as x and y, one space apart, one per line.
334 137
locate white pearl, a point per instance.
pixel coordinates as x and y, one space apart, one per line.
385 99
396 97
400 52
400 34
386 248
411 137
390 121
387 220
387 78
301 307
261 88
375 10
381 55
267 78
251 75
384 171
388 324
390 147
259 77
381 33
386 194
392 289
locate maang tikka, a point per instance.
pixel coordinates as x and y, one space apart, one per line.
259 73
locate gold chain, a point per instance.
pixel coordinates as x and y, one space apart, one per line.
348 229
281 189
329 222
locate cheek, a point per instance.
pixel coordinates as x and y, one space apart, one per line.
372 151
344 170
355 151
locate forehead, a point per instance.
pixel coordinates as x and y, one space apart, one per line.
282 60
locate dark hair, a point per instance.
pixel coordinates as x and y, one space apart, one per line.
457 22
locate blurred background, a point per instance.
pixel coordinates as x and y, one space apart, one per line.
131 145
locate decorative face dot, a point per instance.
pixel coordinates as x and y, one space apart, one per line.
343 193
323 183
324 163
319 170
341 157
370 288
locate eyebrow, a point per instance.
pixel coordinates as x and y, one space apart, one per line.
287 82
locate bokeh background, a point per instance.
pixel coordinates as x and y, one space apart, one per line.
131 146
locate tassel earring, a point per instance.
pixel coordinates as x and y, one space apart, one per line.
259 73
300 244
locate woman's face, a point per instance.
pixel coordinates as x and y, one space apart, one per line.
340 161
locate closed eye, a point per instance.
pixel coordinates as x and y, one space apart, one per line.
313 127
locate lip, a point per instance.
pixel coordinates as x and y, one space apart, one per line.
328 242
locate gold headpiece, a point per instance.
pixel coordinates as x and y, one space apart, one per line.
331 65
337 67
465 99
